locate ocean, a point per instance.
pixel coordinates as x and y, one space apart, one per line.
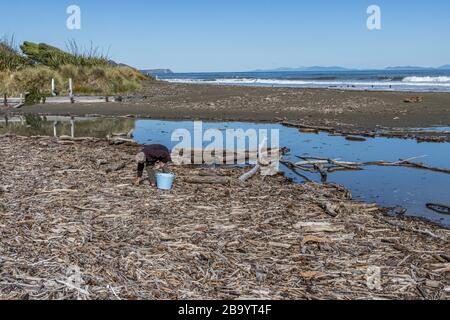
385 80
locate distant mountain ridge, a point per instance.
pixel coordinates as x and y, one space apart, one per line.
337 68
314 68
408 68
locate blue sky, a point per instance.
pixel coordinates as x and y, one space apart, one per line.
240 35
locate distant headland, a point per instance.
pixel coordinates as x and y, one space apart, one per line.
153 72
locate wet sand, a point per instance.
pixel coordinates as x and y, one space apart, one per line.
358 110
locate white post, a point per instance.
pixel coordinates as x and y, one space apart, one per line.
70 88
53 87
55 134
72 127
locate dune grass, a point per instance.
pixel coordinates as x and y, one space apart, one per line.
105 79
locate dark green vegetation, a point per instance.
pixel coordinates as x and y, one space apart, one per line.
53 57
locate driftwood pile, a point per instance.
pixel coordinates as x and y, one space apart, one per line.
325 166
73 226
359 135
413 100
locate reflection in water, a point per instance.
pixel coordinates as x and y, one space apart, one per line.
84 127
387 186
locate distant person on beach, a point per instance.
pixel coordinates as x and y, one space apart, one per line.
152 158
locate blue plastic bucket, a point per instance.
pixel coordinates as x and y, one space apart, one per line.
165 181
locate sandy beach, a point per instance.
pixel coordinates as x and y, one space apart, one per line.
357 110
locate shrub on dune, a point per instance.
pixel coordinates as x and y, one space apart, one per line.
54 57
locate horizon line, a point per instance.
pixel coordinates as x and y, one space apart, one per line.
444 67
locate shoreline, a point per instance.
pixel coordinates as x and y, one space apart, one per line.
360 136
275 86
348 113
343 110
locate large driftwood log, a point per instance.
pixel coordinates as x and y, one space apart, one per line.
439 208
222 156
325 166
78 139
433 136
117 141
305 126
312 164
250 174
200 156
292 167
406 163
18 106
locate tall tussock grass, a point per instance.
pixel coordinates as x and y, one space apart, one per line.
10 57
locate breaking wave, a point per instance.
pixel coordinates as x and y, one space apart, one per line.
395 83
412 81
441 79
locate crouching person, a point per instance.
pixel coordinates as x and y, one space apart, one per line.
153 158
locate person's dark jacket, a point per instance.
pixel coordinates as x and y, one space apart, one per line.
153 154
